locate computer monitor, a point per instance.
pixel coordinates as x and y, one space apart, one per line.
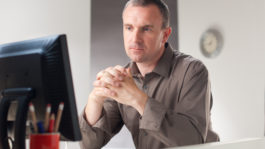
38 69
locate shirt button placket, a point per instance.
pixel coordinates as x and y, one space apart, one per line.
144 87
145 133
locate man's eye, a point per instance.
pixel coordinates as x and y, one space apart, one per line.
128 28
147 29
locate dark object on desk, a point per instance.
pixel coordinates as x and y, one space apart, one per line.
43 67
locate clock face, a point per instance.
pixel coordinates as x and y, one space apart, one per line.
211 43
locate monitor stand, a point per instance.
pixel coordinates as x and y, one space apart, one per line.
23 96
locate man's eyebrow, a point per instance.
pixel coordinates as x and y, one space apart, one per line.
150 26
127 24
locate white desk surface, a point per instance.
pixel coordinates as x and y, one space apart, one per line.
250 143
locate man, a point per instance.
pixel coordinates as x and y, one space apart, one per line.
162 96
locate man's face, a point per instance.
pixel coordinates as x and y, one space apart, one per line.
143 35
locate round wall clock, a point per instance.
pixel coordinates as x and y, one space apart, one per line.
211 43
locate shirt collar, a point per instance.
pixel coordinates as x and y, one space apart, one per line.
163 66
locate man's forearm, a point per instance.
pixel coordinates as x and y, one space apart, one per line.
93 111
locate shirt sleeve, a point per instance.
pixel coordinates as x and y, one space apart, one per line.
188 122
109 124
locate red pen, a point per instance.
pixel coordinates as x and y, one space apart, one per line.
51 123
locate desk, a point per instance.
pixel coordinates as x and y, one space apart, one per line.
250 143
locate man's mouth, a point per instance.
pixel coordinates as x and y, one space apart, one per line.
136 49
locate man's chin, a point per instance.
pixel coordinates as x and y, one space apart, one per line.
137 59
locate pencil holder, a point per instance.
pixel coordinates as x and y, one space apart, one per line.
45 141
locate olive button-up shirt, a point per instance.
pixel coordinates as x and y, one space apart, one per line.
177 111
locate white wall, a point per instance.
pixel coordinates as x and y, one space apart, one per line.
20 20
238 73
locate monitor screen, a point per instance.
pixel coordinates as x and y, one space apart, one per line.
43 65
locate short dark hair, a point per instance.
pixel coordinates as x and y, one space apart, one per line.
162 6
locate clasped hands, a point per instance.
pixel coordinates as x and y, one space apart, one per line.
117 83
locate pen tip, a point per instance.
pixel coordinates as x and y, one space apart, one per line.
61 106
31 107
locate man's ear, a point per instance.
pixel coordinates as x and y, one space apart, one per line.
167 32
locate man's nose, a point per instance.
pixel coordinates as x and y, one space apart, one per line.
137 36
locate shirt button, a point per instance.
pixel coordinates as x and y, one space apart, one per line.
156 125
144 87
